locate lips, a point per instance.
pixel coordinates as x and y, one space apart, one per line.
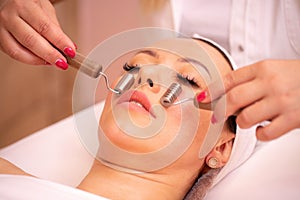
139 99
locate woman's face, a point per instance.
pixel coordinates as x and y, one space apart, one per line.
138 102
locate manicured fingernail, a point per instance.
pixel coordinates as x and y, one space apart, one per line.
69 52
213 119
201 96
61 64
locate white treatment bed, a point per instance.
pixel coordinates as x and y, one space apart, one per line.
56 154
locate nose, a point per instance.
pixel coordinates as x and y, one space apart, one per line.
149 77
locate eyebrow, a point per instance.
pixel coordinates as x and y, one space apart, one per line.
148 52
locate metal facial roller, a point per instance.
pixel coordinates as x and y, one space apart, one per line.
94 70
89 67
174 91
125 83
171 94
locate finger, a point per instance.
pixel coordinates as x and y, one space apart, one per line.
34 42
243 95
48 8
212 92
230 80
238 77
11 47
238 98
260 111
48 29
278 126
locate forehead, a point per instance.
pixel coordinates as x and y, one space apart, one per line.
170 59
156 53
159 55
178 54
176 50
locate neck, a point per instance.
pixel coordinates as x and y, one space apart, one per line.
114 184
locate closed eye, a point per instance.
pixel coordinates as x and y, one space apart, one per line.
188 79
131 68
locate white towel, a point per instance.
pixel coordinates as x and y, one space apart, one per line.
243 146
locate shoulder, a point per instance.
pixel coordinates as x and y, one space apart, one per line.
7 167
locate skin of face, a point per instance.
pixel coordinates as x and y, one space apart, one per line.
172 182
153 94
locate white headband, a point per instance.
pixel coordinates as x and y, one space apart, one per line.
245 139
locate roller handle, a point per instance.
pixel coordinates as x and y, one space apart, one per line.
83 64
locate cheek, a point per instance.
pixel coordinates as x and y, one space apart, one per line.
107 122
204 123
202 131
190 159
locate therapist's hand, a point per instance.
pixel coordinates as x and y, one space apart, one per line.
27 30
267 90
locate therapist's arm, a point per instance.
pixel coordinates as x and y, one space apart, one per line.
28 29
267 90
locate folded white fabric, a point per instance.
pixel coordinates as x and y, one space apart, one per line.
245 139
271 172
244 145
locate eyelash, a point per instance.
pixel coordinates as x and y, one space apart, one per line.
190 80
128 67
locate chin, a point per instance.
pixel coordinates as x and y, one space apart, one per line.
136 145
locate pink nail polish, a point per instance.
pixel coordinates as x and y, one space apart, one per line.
213 119
201 96
69 52
61 64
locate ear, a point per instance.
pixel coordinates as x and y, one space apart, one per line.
220 154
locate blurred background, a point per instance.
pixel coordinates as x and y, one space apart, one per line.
34 97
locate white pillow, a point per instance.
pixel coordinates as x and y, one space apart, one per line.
54 153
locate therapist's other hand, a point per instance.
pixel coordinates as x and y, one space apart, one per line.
27 30
265 91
